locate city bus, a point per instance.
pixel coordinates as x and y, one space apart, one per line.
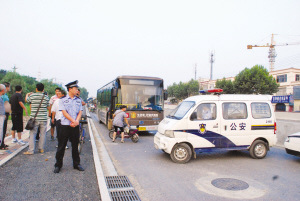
143 96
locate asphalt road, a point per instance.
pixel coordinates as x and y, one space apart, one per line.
156 177
31 177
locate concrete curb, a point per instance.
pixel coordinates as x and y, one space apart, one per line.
99 172
13 154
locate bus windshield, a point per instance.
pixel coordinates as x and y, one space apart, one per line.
142 97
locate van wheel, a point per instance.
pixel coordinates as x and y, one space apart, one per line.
258 149
181 153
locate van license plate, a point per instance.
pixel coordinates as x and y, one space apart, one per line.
142 128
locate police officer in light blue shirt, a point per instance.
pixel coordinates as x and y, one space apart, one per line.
71 108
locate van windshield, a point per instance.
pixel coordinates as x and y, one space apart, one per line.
181 110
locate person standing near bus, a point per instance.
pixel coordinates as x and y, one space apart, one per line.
119 118
71 108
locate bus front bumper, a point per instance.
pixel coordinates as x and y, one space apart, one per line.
146 128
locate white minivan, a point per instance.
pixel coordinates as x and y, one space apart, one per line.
218 122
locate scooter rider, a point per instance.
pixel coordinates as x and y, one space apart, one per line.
119 118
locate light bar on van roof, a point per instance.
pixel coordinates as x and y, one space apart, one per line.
211 91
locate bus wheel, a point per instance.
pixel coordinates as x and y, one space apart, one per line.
135 138
258 149
181 153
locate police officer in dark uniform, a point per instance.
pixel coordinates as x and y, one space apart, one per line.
71 108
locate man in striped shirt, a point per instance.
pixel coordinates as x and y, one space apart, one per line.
41 118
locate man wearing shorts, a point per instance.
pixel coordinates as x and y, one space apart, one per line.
118 122
17 105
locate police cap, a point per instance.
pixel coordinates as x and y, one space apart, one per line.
72 84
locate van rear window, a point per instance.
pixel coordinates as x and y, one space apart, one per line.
260 110
234 111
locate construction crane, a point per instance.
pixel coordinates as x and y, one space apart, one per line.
272 52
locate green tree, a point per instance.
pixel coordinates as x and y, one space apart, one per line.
255 81
14 79
193 87
84 94
50 87
2 74
226 85
183 90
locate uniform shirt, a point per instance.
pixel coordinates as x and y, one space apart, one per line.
35 100
15 105
54 108
71 106
53 99
2 110
119 118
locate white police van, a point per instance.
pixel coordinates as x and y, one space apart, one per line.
218 122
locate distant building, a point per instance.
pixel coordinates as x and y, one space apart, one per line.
205 83
289 90
288 96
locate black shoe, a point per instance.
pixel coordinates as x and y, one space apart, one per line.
79 167
56 170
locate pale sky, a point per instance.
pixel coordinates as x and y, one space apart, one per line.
94 41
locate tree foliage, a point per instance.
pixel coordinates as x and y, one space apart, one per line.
255 80
183 90
226 85
84 94
29 84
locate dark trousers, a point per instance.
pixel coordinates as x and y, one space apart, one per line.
67 133
4 129
58 127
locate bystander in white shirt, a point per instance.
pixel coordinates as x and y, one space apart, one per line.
58 114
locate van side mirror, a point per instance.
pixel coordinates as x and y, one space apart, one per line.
193 116
114 92
165 95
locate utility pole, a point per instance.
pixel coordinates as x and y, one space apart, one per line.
195 71
212 60
15 68
39 76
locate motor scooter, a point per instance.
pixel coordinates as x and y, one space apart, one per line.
128 133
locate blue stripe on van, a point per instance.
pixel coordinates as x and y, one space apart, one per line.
211 149
220 141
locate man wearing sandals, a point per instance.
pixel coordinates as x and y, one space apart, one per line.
118 122
2 111
39 103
